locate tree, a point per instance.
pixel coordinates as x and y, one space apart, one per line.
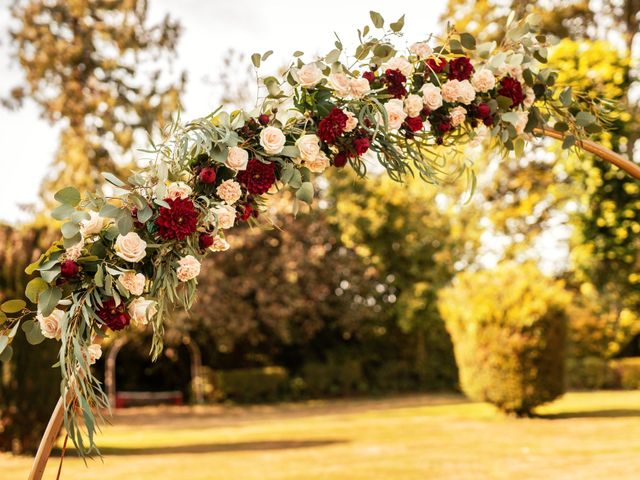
84 63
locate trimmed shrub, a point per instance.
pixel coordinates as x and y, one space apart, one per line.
333 378
247 385
589 373
626 372
509 329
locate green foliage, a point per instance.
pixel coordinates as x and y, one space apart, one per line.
627 372
333 378
589 373
509 328
265 384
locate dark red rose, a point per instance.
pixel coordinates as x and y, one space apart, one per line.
488 121
332 126
114 317
425 112
69 269
444 125
263 119
258 177
394 80
483 110
361 145
246 212
207 175
205 241
340 160
413 124
511 88
177 222
370 76
460 69
436 65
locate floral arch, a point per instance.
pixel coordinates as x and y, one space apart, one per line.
128 255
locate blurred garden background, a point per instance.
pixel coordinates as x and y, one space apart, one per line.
389 332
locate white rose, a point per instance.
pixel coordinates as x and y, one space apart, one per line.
483 80
395 113
141 309
50 325
309 75
457 114
94 353
189 268
318 164
431 96
451 91
340 84
237 159
93 225
229 191
359 87
413 105
226 216
177 190
272 140
399 63
219 245
421 49
130 247
74 251
133 282
352 121
309 146
467 92
523 119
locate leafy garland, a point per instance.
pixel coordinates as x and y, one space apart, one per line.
130 256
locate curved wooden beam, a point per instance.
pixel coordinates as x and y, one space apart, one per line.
604 153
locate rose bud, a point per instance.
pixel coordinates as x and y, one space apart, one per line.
484 110
69 269
205 241
340 160
207 175
263 119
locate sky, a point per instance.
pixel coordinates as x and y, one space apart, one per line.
210 29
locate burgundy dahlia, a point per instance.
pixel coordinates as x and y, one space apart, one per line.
246 212
444 125
340 160
205 241
207 175
436 65
413 124
460 69
69 269
179 221
394 80
511 88
370 76
361 145
114 316
332 126
258 177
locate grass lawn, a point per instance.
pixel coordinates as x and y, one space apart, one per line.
583 436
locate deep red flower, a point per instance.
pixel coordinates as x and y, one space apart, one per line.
69 269
332 126
361 145
483 110
414 124
460 69
511 88
394 80
114 316
246 212
207 175
488 121
436 65
370 76
258 177
444 125
263 119
179 221
205 241
340 160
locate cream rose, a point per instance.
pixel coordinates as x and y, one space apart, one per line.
339 82
178 190
467 92
229 191
399 63
93 225
431 96
141 309
413 105
309 146
530 97
74 251
237 159
226 216
359 87
189 268
130 247
309 75
272 140
395 113
94 353
457 114
133 282
421 49
451 91
352 121
523 119
319 164
483 80
219 245
50 325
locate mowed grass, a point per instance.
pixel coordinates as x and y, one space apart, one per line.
582 436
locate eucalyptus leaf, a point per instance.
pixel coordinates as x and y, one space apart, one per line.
468 41
34 288
68 196
62 212
6 354
398 25
376 19
70 229
305 192
113 180
48 300
13 306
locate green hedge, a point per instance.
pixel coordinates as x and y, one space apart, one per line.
626 372
247 385
509 329
589 373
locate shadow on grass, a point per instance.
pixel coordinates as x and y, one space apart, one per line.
216 447
611 413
